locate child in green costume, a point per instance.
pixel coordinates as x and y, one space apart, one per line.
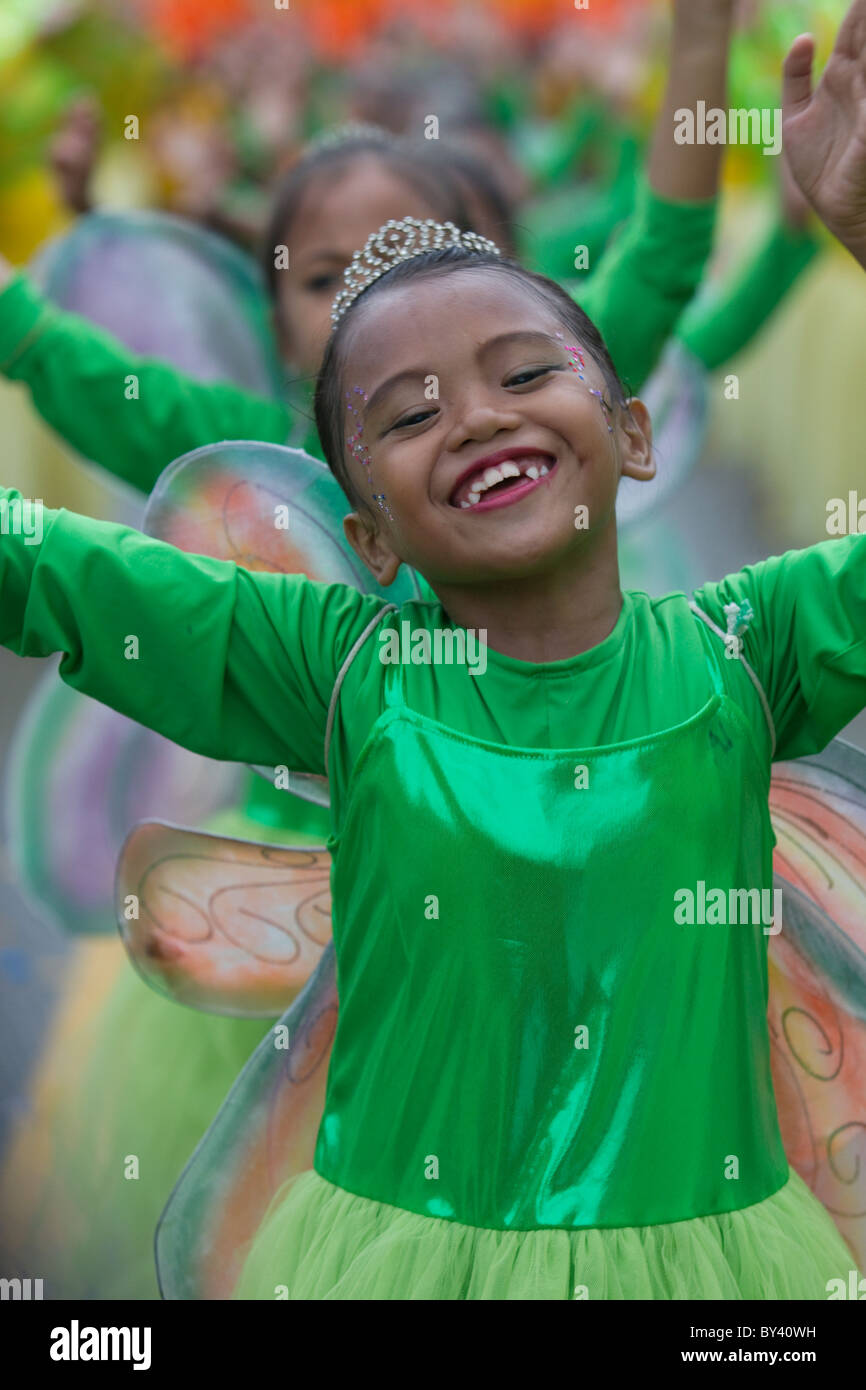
468 1147
66 362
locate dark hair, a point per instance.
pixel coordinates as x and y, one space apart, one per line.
330 412
480 185
410 161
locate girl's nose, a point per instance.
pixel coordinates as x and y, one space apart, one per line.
480 423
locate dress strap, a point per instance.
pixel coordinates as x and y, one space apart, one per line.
717 680
343 672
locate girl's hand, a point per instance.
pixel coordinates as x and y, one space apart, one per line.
824 131
74 152
796 209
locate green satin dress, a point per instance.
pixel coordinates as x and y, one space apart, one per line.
543 1086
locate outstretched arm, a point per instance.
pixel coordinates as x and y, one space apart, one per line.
718 328
824 130
77 375
229 664
652 271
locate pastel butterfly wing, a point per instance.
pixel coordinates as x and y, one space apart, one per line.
226 926
266 507
817 964
78 775
264 1134
167 288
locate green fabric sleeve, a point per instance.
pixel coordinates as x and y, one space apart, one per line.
581 123
645 280
77 377
807 640
230 664
715 329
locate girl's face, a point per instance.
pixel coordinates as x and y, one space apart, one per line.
334 219
464 373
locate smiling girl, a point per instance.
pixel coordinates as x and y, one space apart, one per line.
544 1087
151 1075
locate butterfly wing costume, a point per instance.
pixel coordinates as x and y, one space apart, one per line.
81 774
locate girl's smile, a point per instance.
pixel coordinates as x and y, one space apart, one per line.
499 479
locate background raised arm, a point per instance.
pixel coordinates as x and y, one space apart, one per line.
700 46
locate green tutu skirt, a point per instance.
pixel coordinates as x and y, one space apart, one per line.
321 1242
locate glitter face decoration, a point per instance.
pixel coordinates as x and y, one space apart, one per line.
604 405
577 360
578 363
360 450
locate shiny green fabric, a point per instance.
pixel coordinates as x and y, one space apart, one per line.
516 906
277 809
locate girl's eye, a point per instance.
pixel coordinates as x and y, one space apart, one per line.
413 419
530 374
319 283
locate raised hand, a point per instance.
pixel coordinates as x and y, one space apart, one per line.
796 208
74 151
824 131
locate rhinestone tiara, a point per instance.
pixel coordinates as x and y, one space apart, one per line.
401 241
348 131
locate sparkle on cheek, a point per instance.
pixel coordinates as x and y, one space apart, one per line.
579 365
360 450
576 360
604 405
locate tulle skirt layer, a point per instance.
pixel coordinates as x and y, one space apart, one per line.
320 1242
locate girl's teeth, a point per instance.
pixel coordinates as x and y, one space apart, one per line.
491 476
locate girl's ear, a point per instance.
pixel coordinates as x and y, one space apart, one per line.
636 441
372 547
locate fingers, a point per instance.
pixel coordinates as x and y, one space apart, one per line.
851 39
797 76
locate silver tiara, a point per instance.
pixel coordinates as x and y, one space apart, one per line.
400 241
348 131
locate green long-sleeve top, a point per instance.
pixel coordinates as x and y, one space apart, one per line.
583 211
717 326
241 666
78 374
